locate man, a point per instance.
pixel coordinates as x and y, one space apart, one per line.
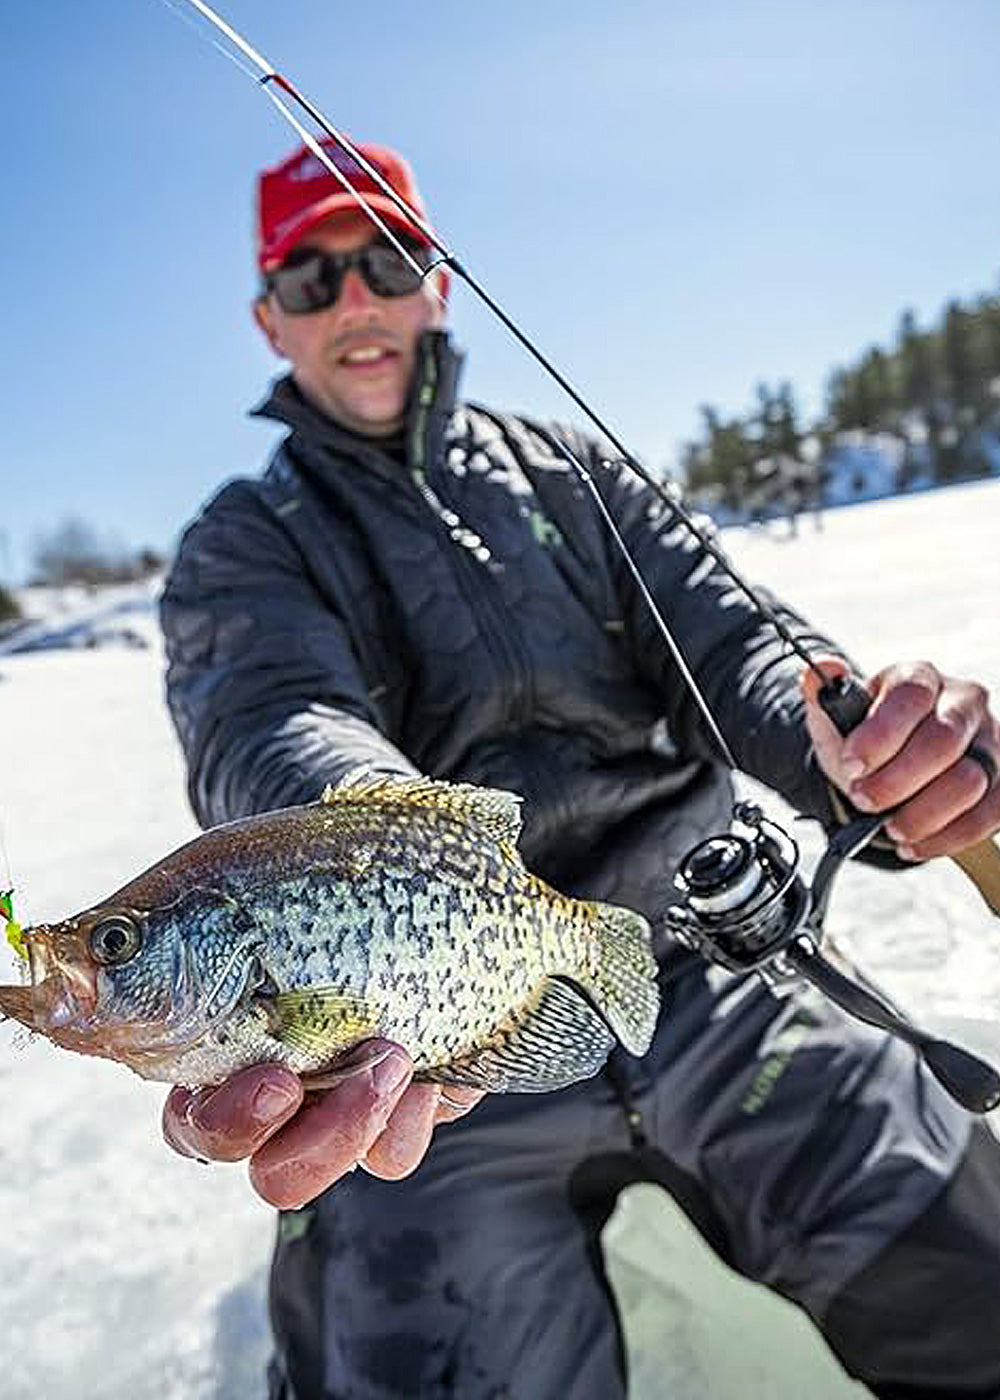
417 585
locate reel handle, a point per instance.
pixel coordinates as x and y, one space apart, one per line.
974 1083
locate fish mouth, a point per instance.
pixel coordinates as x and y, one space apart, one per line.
66 1001
56 1008
16 1004
61 991
61 1003
49 1008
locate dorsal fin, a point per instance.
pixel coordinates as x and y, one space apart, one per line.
494 812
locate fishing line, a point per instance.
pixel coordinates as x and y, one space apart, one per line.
268 77
664 493
209 38
321 155
8 879
263 74
255 58
12 929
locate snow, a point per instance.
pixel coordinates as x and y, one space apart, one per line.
860 466
75 616
131 1274
866 466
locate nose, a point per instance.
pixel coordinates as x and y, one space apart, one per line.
355 298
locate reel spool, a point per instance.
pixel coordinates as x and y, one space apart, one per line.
743 900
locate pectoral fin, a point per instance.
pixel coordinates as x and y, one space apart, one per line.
321 1020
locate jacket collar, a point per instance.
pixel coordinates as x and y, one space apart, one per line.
430 405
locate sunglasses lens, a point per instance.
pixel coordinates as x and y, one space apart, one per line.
310 284
388 273
311 279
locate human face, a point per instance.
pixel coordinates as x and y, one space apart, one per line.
355 359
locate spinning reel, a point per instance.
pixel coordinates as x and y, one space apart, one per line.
745 906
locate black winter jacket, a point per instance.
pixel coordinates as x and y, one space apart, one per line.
466 615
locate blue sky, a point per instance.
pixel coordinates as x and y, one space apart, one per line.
676 199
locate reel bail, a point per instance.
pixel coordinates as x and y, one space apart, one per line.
743 900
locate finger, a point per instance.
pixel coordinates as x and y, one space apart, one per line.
230 1121
400 1147
902 698
330 1134
456 1102
975 824
935 746
941 802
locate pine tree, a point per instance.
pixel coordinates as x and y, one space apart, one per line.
961 372
919 395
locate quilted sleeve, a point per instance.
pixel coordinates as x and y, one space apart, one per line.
263 686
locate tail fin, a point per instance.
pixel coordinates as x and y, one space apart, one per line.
624 986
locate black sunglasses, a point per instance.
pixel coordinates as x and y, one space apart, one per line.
310 279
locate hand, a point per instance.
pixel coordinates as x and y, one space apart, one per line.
298 1145
909 753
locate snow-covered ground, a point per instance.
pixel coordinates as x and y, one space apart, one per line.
127 1273
77 617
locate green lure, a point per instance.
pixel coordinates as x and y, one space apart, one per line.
15 934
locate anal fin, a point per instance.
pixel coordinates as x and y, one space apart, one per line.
557 1041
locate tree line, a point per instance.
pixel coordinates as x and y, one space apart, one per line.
935 393
74 552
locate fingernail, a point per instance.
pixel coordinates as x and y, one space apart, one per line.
390 1073
861 800
907 853
362 1057
271 1101
199 1106
853 769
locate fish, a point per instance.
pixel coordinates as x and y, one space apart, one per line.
391 907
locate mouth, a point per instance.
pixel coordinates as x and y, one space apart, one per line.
368 359
50 1008
61 997
60 1007
16 1005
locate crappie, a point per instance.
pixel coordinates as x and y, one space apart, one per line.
397 908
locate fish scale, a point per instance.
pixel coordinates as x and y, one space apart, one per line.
391 907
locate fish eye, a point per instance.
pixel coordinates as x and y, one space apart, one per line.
115 940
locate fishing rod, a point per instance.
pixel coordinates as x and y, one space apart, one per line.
743 903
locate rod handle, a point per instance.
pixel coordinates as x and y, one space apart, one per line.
845 701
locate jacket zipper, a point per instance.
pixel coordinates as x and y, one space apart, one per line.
466 545
471 556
